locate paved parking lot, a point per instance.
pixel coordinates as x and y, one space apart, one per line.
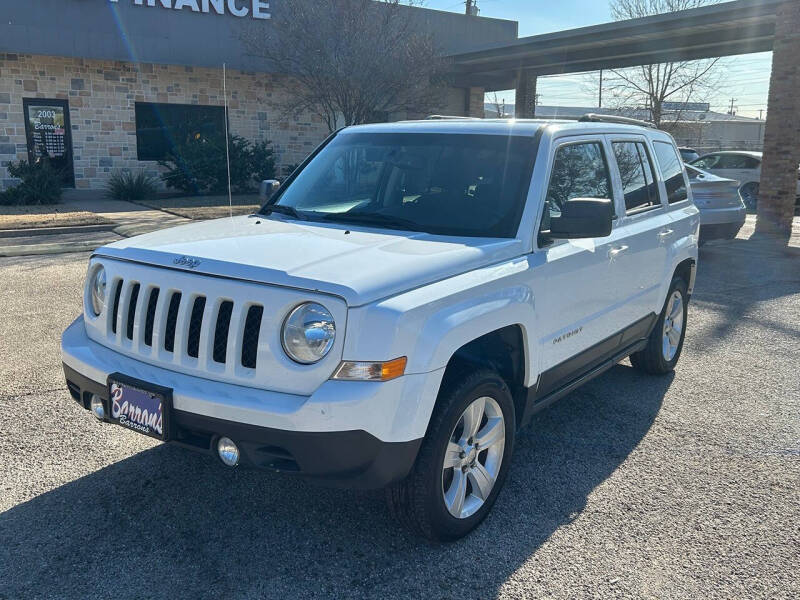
686 486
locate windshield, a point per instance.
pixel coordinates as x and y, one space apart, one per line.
449 184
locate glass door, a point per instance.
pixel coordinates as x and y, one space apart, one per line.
49 135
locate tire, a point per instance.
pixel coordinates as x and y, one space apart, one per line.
418 501
655 358
749 192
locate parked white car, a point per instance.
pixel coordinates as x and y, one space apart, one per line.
399 308
742 166
722 211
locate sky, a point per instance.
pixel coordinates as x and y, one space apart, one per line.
744 78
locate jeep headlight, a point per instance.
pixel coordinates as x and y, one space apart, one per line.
97 289
308 333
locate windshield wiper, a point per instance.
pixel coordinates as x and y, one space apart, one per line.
374 219
283 210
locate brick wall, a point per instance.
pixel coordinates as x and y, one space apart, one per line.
782 135
101 97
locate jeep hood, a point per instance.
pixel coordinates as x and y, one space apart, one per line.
360 264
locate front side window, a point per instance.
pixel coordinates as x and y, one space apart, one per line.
579 171
706 162
637 176
672 171
448 184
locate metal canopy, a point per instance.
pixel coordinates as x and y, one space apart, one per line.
738 27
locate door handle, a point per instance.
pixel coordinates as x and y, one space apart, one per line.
663 235
615 252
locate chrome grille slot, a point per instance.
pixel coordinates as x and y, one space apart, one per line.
150 317
222 330
172 321
195 327
252 330
115 310
132 310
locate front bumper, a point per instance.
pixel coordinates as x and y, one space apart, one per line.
358 434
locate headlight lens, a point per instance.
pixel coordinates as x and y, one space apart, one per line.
308 333
97 288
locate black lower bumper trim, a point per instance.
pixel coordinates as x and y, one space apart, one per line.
354 459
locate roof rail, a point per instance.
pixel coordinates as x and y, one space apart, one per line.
597 118
450 118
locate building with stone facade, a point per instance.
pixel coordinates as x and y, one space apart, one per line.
99 85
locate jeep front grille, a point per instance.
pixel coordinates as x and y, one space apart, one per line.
211 327
184 336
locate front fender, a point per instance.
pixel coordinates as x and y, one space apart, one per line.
428 325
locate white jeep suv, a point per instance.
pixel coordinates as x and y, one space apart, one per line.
399 308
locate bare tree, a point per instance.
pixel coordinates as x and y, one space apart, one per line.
351 61
649 87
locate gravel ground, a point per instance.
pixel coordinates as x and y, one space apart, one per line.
685 486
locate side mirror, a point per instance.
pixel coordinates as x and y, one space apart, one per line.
267 188
583 218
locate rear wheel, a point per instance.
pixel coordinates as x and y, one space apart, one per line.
462 462
665 343
749 193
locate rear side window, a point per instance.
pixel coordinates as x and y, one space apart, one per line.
637 175
579 171
672 171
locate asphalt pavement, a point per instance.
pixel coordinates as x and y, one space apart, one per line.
685 486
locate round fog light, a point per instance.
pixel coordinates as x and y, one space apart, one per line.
228 451
98 410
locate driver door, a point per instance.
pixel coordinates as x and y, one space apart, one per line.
578 311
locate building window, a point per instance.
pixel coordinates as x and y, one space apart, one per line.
161 128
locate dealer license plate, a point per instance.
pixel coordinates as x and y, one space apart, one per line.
139 406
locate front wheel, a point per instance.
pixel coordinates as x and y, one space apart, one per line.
462 462
666 340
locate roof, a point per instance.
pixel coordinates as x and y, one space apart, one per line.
737 27
494 126
757 155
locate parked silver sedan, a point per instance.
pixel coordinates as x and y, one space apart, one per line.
722 212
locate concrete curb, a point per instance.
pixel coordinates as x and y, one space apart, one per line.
56 230
54 248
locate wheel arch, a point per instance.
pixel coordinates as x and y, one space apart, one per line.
504 350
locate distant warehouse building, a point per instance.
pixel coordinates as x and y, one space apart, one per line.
100 85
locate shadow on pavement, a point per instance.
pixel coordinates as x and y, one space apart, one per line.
170 523
733 277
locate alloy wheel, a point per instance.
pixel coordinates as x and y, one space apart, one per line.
473 457
673 326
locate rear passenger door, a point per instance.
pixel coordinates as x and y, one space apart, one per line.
645 227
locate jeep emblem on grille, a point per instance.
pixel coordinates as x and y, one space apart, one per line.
185 261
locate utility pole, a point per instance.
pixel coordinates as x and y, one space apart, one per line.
472 7
730 112
760 113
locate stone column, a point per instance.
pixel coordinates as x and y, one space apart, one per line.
782 134
526 95
475 101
